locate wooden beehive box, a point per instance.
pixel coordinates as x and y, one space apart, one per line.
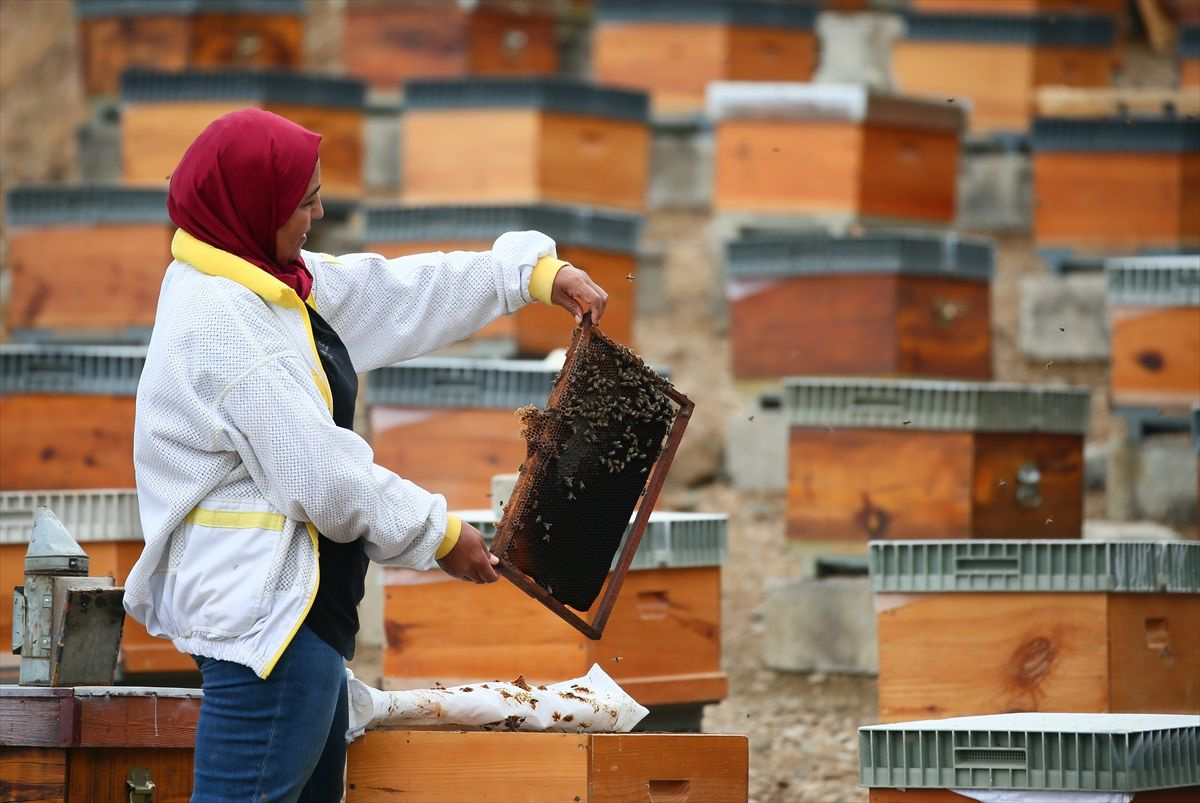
161 113
662 643
1032 756
988 627
115 35
513 767
1116 185
896 459
602 242
673 49
421 410
115 241
996 61
901 303
66 416
515 140
836 151
107 525
388 43
1154 318
1189 56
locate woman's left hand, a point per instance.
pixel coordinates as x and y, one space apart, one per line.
575 292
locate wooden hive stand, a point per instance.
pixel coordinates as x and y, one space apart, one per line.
673 49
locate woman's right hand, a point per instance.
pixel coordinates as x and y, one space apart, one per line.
469 559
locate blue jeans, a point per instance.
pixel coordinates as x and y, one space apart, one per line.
279 739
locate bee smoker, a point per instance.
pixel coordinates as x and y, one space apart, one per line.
66 625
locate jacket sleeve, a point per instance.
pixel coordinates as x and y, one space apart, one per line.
312 470
388 310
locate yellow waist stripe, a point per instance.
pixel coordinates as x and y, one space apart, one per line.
237 519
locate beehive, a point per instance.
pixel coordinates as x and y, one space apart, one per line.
1154 318
421 410
899 303
1116 185
988 627
673 49
834 150
602 242
662 643
161 113
69 245
902 458
1000 59
107 525
1142 758
388 43
66 416
177 34
513 140
1189 56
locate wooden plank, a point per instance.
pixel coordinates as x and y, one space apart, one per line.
109 45
541 328
1189 73
949 655
1123 101
1154 659
1153 360
147 720
996 78
388 43
1160 30
66 442
909 173
855 484
433 767
341 145
154 136
673 62
37 717
470 156
33 775
593 160
696 687
658 767
247 40
1087 67
943 328
997 509
769 54
504 43
99 773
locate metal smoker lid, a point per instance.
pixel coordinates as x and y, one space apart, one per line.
52 550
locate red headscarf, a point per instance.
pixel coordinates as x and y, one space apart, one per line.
241 180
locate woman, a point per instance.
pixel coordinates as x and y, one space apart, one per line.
260 506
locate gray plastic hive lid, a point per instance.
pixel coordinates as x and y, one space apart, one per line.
101 515
1069 752
854 103
462 383
1035 565
84 370
1075 30
605 230
750 13
670 540
131 8
930 404
549 94
1156 281
260 86
1116 134
909 253
84 204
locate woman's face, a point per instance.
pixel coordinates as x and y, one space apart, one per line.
291 236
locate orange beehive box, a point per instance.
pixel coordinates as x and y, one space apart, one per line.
662 643
388 43
112 240
903 458
988 627
176 34
673 49
1189 56
901 303
997 61
514 140
1116 185
602 242
161 113
1154 320
107 525
834 150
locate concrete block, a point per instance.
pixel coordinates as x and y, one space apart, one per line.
650 288
821 625
857 49
1095 466
99 143
370 610
1064 318
681 163
382 132
995 189
756 449
502 488
1153 479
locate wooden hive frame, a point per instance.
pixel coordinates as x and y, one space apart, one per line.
510 532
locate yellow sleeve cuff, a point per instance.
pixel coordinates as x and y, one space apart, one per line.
541 281
453 530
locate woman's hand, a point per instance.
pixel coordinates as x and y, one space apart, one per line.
575 292
470 560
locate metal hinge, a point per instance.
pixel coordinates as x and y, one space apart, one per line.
139 785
